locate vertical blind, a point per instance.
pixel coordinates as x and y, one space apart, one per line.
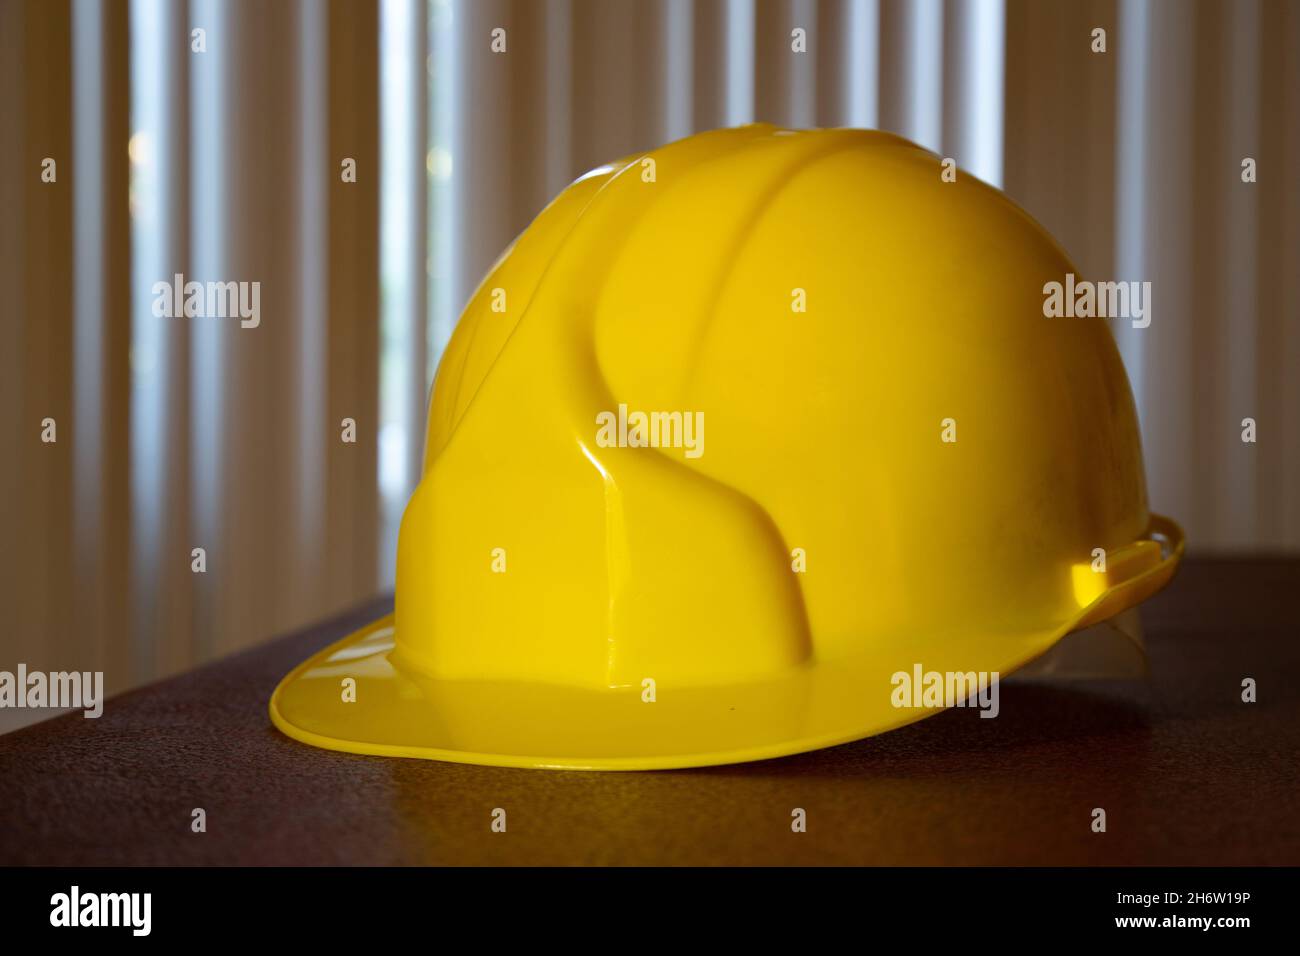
225 163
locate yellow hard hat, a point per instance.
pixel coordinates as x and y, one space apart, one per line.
736 433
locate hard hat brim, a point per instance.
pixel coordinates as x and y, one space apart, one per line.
393 711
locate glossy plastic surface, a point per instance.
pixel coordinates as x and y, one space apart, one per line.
674 287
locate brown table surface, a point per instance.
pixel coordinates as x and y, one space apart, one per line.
1188 773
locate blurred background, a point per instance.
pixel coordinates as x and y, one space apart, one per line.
219 154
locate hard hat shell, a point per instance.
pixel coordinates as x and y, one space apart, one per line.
900 464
